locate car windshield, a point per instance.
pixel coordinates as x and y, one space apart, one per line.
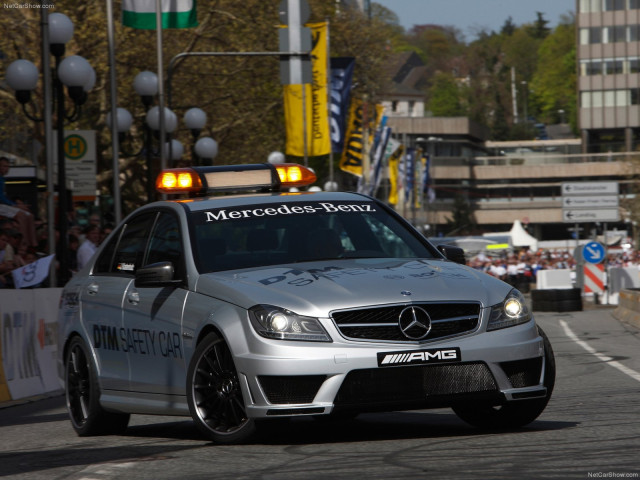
291 232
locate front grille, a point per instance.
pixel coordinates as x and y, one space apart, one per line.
281 390
523 373
406 385
381 323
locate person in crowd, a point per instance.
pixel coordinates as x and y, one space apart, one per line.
17 211
89 246
72 256
14 241
5 266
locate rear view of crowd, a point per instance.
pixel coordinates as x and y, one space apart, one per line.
24 237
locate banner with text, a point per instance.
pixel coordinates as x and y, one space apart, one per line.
308 117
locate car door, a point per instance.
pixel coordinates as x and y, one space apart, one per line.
102 297
152 317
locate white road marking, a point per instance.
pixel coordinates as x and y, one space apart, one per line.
603 358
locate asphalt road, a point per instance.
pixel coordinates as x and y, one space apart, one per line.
591 429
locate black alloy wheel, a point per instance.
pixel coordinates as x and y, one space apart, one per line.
214 394
83 394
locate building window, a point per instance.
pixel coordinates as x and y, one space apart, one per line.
609 98
594 67
634 4
613 67
587 6
622 98
610 5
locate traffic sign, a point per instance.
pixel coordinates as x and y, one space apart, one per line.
584 202
594 278
593 252
604 201
585 216
590 188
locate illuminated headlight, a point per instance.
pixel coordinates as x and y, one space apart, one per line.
281 324
512 311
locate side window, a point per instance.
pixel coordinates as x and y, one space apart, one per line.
125 252
166 244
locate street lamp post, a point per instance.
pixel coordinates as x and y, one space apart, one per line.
203 150
79 77
195 119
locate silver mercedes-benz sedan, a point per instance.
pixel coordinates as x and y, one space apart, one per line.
237 309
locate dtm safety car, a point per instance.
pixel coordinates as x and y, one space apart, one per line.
263 304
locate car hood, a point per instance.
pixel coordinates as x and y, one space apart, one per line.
316 288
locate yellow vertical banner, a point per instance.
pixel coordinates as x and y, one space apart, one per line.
352 155
394 180
315 108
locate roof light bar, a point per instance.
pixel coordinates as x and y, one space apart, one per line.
233 178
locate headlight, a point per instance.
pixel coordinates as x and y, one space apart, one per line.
278 323
512 311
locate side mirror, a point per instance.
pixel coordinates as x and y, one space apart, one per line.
156 275
455 254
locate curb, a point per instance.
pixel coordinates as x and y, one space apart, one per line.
34 398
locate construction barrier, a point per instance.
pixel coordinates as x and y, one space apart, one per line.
28 342
556 300
628 309
621 278
594 280
560 278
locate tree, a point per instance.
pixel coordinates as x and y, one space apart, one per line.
242 95
461 221
444 97
508 27
553 84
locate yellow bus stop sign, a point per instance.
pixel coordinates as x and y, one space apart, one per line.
75 147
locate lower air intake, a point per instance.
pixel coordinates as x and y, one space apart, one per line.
407 385
282 390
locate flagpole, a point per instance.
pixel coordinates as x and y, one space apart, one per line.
115 147
163 163
329 101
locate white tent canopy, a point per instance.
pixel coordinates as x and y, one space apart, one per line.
518 235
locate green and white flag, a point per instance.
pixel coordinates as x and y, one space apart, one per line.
175 14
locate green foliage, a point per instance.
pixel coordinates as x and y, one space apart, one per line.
554 83
444 97
461 221
242 95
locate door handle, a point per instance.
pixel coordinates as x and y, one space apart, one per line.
92 289
133 297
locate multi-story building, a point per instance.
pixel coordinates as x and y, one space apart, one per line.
608 53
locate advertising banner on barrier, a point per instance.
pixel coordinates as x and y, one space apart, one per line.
28 339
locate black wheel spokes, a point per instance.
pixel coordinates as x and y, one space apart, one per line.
217 391
78 383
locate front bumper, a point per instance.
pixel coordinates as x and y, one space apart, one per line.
280 378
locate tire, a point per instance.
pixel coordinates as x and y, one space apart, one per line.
82 393
513 414
214 394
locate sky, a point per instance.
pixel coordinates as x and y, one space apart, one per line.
471 16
